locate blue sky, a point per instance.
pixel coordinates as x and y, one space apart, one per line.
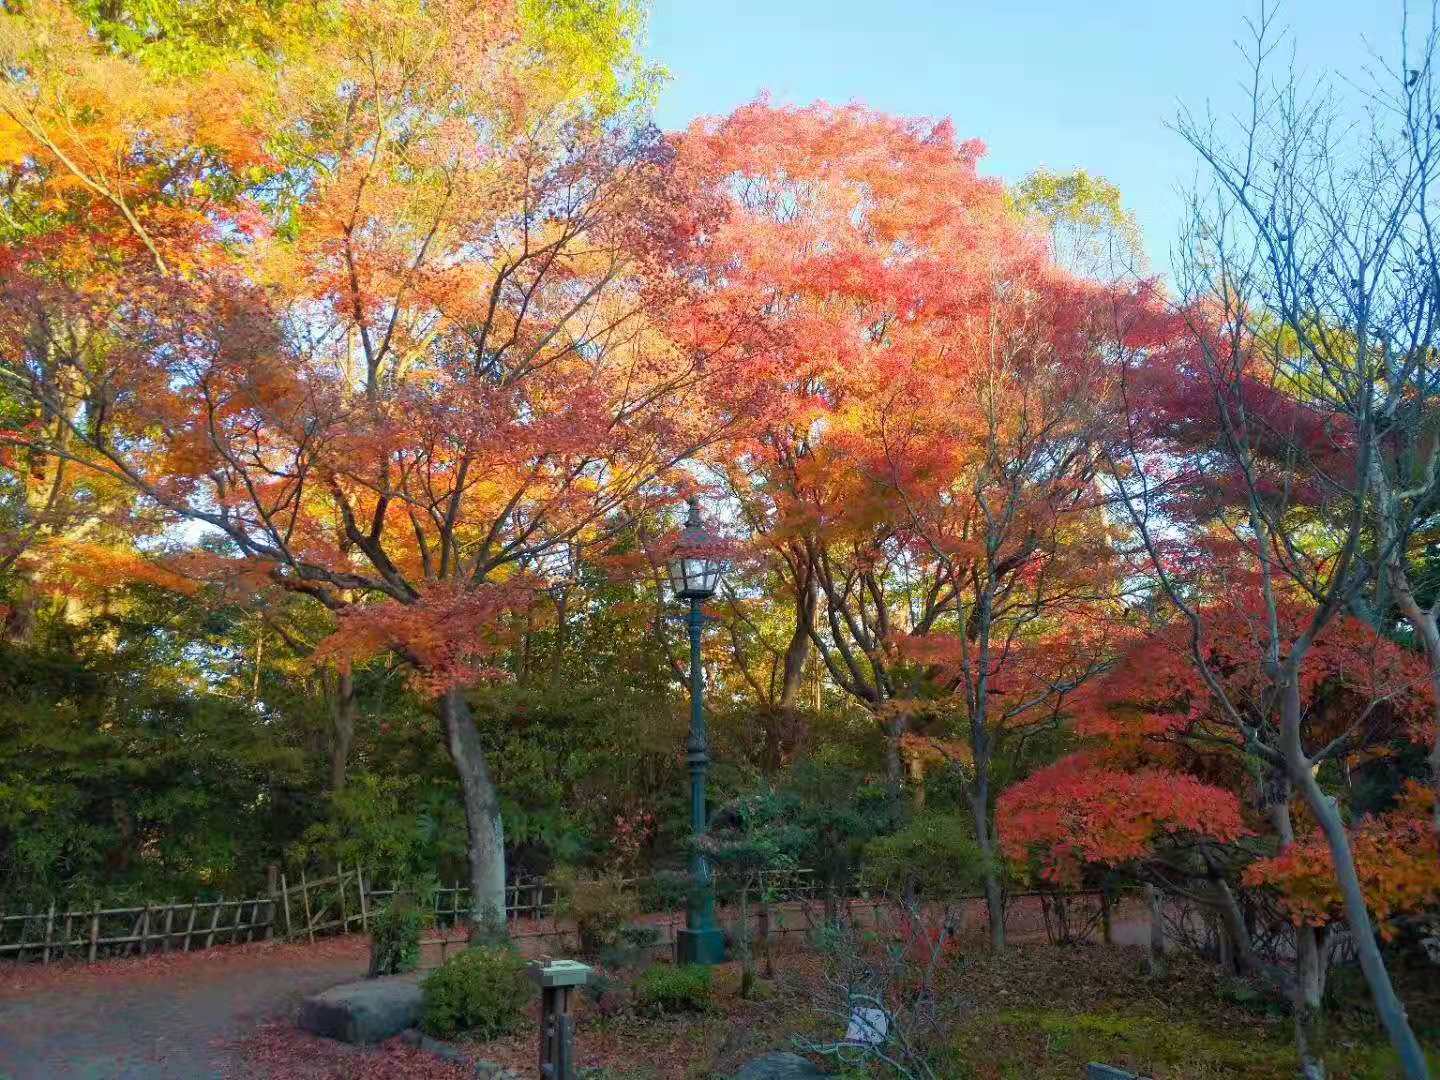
1044 82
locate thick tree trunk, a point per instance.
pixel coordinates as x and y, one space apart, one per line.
344 710
486 848
782 733
797 651
1306 1006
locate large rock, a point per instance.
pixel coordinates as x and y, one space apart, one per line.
779 1066
363 1012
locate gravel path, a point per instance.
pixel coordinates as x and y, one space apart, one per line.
167 1018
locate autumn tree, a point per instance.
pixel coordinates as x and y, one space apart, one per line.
1170 791
1308 286
926 481
377 302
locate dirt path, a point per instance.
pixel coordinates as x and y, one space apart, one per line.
163 1018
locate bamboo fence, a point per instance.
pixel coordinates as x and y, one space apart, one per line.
345 901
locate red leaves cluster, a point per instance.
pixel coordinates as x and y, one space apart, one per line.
1076 814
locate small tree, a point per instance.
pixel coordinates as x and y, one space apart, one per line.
748 840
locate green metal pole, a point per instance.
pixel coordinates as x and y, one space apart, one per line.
701 942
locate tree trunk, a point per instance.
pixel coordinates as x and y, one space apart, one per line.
20 616
894 762
766 941
486 848
1224 950
832 902
1155 959
1307 1005
1236 933
797 651
1362 932
978 798
1357 917
343 711
782 732
746 944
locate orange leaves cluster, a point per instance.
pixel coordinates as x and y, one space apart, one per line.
368 287
1076 814
1397 856
447 635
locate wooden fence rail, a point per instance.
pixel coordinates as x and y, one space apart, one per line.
339 903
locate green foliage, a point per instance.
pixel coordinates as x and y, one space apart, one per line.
127 770
602 909
1039 1043
402 828
635 947
578 747
591 47
482 992
835 806
1087 217
187 36
395 936
668 988
933 857
755 835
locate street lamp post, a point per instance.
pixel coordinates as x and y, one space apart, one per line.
695 569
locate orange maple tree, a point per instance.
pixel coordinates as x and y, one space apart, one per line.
395 301
925 481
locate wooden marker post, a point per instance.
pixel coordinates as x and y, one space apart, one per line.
557 980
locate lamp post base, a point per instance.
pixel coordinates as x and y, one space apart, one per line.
705 946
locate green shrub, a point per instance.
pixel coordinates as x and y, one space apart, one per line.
395 936
602 909
666 988
483 991
932 857
635 948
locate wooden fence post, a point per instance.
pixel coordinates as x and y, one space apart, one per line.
144 926
49 933
305 894
94 931
364 907
214 921
189 926
169 923
344 910
285 900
